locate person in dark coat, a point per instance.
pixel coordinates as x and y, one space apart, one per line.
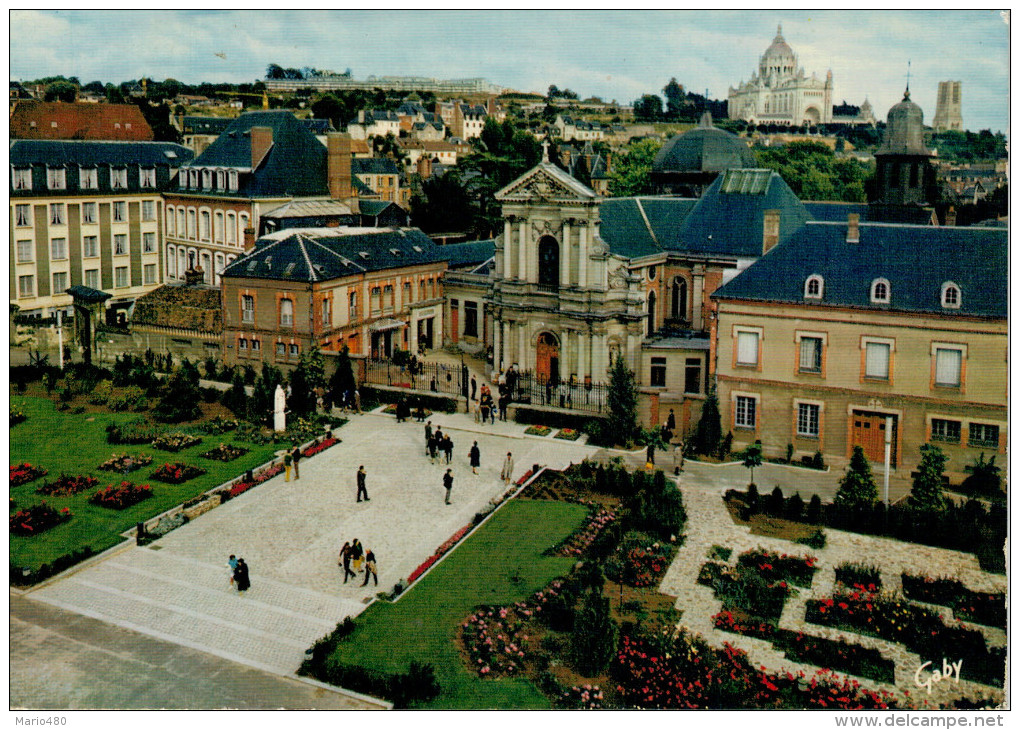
504 402
357 554
433 446
370 570
361 483
476 458
241 579
671 421
650 454
474 387
296 456
448 448
428 435
448 484
345 561
484 405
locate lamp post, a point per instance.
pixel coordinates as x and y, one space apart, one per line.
888 453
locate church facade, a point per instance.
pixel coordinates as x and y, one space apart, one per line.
780 92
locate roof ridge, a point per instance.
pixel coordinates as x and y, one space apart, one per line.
648 223
302 238
340 256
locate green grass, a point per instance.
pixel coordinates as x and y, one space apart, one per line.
500 563
63 443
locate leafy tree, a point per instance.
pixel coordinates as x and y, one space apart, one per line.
181 396
343 377
631 171
301 402
314 364
593 642
813 171
857 487
709 431
648 108
676 99
983 477
622 402
61 91
752 457
96 87
274 71
444 204
926 493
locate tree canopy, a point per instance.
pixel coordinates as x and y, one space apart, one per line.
631 171
814 172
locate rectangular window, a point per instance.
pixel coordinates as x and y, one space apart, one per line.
25 251
247 308
120 277
147 176
148 210
256 345
876 360
88 212
56 214
945 430
242 344
22 178
192 224
984 434
744 416
294 352
692 375
470 318
281 349
327 312
26 286
658 373
91 246
92 278
811 354
119 211
88 178
747 348
148 242
286 313
118 178
352 306
120 244
56 178
58 248
948 367
388 296
149 274
22 216
59 282
807 419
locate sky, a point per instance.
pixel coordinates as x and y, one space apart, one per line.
607 53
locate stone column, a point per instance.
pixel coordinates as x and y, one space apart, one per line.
565 254
522 346
582 356
699 289
508 240
460 319
497 344
582 257
522 252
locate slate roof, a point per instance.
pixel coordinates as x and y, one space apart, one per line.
205 125
703 149
321 254
374 207
374 166
294 166
61 120
318 126
469 253
635 227
309 208
837 212
916 260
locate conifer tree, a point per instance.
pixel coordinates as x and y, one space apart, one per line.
857 487
593 642
342 380
622 402
709 430
926 493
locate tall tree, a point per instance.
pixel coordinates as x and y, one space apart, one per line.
648 108
631 171
622 402
593 641
342 380
752 457
61 91
926 493
709 430
675 98
857 487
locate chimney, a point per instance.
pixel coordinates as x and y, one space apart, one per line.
951 217
770 234
249 239
853 230
194 275
261 141
425 167
338 165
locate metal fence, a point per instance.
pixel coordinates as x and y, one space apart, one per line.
531 389
433 376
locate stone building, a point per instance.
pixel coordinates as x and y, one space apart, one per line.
948 115
905 173
779 92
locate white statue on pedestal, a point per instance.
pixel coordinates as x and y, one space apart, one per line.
279 404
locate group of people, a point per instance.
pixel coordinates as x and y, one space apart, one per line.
237 572
487 407
352 557
292 459
437 442
350 400
404 411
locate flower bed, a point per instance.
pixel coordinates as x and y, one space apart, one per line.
175 442
581 539
17 415
225 452
321 446
537 430
585 697
440 551
988 609
125 463
37 518
643 566
176 473
780 567
861 576
65 486
25 473
568 434
263 476
744 589
136 432
923 631
218 425
121 496
838 655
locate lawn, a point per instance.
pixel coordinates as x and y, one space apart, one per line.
500 563
72 444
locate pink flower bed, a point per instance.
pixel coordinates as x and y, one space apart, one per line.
321 446
581 540
262 476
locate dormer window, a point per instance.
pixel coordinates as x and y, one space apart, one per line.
813 287
950 295
55 178
147 177
220 180
206 179
233 179
880 291
88 178
22 179
193 178
118 178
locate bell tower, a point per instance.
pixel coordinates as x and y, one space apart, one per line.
904 174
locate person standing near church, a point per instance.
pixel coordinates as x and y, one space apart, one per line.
476 458
361 483
428 435
296 455
448 484
474 387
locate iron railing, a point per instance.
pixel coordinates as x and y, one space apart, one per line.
434 376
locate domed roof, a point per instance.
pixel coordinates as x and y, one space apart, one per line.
779 47
703 149
904 129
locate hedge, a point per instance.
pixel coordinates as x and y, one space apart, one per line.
370 394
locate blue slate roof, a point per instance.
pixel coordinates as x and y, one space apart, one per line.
294 166
916 260
321 254
318 126
635 227
469 253
374 166
836 212
205 125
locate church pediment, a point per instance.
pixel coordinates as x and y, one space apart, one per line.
545 182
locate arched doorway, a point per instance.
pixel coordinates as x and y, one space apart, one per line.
651 313
548 261
812 116
678 300
547 359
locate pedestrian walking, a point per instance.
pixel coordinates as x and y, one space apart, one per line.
357 554
231 565
504 403
650 455
345 561
241 576
448 484
476 458
671 421
296 456
361 483
370 570
428 436
508 469
357 400
288 459
474 387
432 446
448 448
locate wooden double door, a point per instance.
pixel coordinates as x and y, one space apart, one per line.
868 431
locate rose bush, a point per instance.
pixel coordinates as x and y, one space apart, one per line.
24 473
121 496
65 486
125 463
177 472
175 441
225 452
37 518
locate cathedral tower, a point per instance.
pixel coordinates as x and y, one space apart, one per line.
904 174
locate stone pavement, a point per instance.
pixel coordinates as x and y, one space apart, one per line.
176 589
709 523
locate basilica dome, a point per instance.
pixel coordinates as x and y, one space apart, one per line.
703 149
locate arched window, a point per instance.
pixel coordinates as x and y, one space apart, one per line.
651 313
170 221
220 180
880 291
813 287
548 261
951 295
218 227
180 223
242 225
204 225
286 313
678 299
171 261
231 228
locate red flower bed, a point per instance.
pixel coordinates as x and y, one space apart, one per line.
262 476
525 477
321 446
65 486
988 609
177 472
121 496
37 518
582 539
25 473
776 566
440 551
